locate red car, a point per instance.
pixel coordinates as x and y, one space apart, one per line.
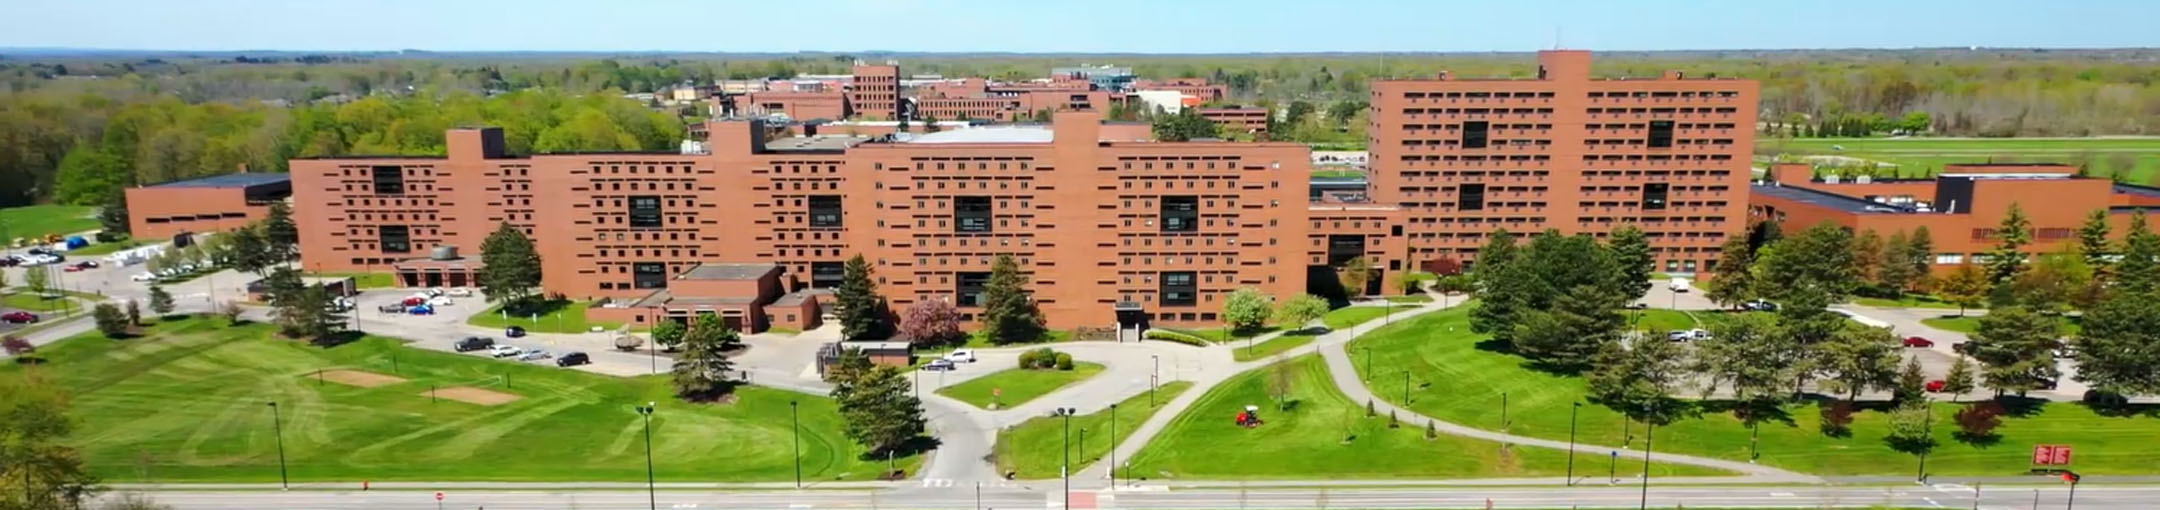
1936 386
19 317
1914 341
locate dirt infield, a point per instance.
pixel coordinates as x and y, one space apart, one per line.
361 379
471 395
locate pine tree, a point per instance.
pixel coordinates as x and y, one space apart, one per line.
700 373
1567 334
1921 254
1859 360
862 310
2093 242
1639 380
1894 272
2008 256
510 266
160 301
1867 256
111 322
2120 346
1631 251
1733 283
1009 313
1911 383
113 216
880 412
2138 270
280 232
2017 347
1960 379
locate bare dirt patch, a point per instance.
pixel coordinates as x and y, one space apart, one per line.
471 395
361 379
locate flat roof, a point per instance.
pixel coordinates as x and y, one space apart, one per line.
236 180
1827 199
2133 189
796 298
992 134
728 272
815 143
877 345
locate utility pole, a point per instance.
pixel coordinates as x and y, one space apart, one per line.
795 418
1649 436
276 418
1574 409
652 499
1113 445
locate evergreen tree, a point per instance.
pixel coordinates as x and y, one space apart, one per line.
111 322
1921 254
1009 313
1960 379
1748 354
1639 380
2008 256
2093 242
160 301
862 310
1894 272
320 318
278 230
1859 360
701 372
1813 266
2120 346
1185 125
1631 251
134 313
1911 383
1567 334
113 216
510 269
880 412
246 249
2138 270
1733 283
2017 347
1867 256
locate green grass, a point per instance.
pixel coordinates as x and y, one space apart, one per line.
1272 346
976 340
1456 380
1308 441
24 299
1660 320
365 280
186 404
104 248
43 220
1906 301
1223 334
781 330
1920 157
1017 385
1415 299
1337 173
1034 448
555 316
1351 316
1970 324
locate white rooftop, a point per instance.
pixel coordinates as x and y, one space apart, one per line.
995 134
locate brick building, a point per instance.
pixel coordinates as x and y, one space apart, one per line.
1242 120
209 204
1564 151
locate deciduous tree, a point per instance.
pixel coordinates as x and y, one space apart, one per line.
1966 287
1355 273
510 269
1300 310
668 334
39 431
701 372
1247 309
1895 272
1733 282
931 321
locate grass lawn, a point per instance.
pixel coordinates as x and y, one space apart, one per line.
1919 157
26 300
1971 323
1337 173
1272 346
42 220
1349 316
1033 449
1017 386
365 280
555 316
100 249
1461 382
1223 334
1325 435
1660 320
186 403
976 340
1414 299
1906 301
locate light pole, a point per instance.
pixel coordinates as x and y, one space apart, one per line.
652 499
1154 378
1065 468
1113 445
1649 436
277 420
795 421
1503 412
1406 387
1572 411
1928 426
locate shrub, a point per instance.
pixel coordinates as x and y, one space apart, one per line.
1837 418
110 320
1041 358
1175 336
1977 422
16 346
1064 361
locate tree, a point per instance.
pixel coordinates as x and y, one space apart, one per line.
134 314
160 301
2138 270
2008 256
16 346
700 373
1921 254
1300 310
2053 282
1748 354
930 124
111 322
113 216
1911 383
862 310
2017 347
1355 273
1733 283
133 501
2120 345
246 249
510 266
1859 360
1517 286
319 320
1281 376
1812 266
278 230
1567 334
1185 125
1895 272
2093 241
39 431
285 291
875 402
1502 293
1966 286
1412 282
1977 422
1631 251
1909 426
1009 314
1247 310
1867 256
38 279
1960 379
230 310
668 334
931 321
1639 380
1455 284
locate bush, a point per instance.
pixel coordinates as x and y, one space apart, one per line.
1035 359
1837 418
1064 361
112 322
16 346
1977 422
1175 336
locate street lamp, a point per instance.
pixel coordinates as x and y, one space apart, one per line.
652 499
1649 436
795 418
1573 409
1113 445
1065 468
276 419
1154 378
1928 426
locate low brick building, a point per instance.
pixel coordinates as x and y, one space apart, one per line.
209 204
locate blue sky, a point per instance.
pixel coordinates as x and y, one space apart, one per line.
1148 26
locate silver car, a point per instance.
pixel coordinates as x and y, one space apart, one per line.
535 355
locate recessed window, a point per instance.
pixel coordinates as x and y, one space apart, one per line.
1470 197
389 180
1180 213
1660 134
968 288
649 275
1178 289
1653 196
971 214
825 211
394 238
826 275
1473 134
644 211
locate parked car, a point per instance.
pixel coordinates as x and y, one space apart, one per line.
939 364
571 359
514 331
1678 285
391 308
414 301
1679 335
473 343
144 277
1917 342
1936 386
10 261
1760 306
439 301
420 310
534 355
504 351
19 317
459 292
1699 334
961 356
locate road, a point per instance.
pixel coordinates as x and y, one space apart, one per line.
961 497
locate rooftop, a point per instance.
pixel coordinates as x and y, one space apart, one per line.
238 180
796 298
2133 189
1827 199
992 134
815 143
728 272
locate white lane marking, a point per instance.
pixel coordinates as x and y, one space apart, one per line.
1931 501
798 506
1782 494
1950 487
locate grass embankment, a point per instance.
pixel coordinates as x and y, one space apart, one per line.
1659 320
1461 380
1017 386
36 221
1970 324
1922 157
1351 316
1324 435
25 300
1272 346
185 403
553 316
1034 448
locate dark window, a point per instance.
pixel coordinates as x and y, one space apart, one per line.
1660 134
645 211
825 211
395 238
649 275
1342 248
1473 134
1470 197
969 288
1653 196
389 180
826 275
971 214
1180 213
1178 289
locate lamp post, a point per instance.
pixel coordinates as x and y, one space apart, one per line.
652 499
278 420
1113 445
1154 378
1065 467
1928 426
795 421
1649 436
1573 409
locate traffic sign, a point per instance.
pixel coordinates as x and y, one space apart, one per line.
438 496
997 392
2051 455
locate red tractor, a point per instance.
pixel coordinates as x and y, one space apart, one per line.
1249 418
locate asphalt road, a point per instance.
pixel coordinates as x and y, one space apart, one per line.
966 496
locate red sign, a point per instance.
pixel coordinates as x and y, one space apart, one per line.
2051 455
438 496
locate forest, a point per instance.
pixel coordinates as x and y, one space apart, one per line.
73 127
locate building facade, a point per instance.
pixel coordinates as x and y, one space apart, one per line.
1564 151
209 204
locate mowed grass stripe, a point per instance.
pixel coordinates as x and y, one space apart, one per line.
187 403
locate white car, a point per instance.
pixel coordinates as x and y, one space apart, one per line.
504 351
144 277
460 292
1678 285
961 356
439 301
